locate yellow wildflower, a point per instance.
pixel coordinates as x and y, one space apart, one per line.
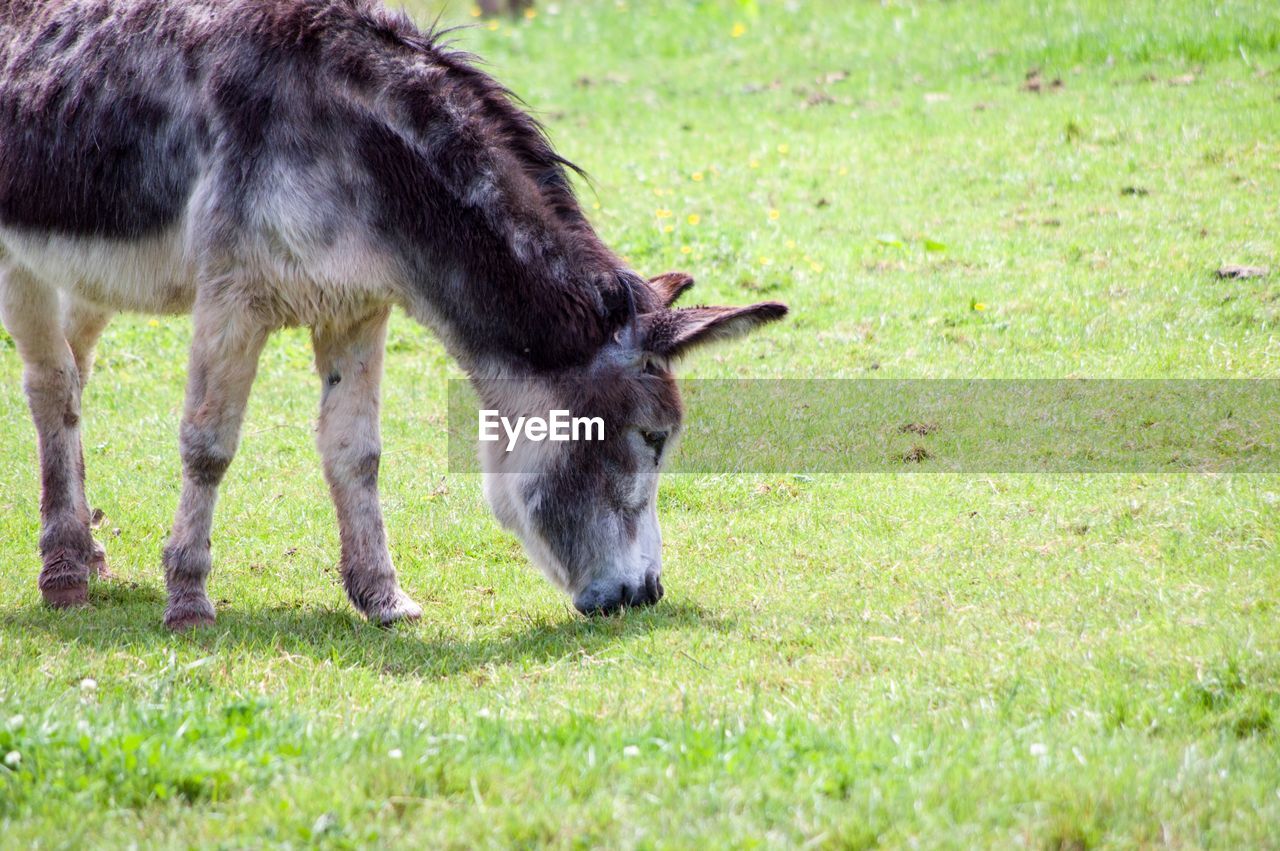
662 213
774 215
530 14
754 163
696 177
684 249
784 148
694 218
668 228
739 30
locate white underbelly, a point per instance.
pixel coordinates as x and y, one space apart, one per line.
150 275
294 269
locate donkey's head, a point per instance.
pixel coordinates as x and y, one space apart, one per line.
586 507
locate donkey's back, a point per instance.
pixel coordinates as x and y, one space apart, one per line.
144 143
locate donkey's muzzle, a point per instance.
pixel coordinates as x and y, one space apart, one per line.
608 598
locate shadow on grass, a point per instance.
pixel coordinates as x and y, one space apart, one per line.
125 616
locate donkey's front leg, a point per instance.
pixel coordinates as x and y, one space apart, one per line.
349 360
32 313
228 338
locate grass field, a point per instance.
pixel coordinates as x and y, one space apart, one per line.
1048 661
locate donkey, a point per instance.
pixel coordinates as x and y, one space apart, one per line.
317 163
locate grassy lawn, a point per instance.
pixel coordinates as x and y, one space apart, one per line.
1061 661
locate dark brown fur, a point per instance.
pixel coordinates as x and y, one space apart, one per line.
264 163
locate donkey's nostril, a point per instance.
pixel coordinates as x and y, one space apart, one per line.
652 588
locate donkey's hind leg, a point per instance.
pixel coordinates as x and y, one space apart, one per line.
83 324
349 360
228 337
32 312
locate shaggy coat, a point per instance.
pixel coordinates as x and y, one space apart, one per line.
309 162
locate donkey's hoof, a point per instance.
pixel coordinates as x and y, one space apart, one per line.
187 621
64 579
66 596
180 617
400 608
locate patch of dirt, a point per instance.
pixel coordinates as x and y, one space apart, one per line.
916 455
817 98
585 82
1024 221
1135 191
1036 83
886 266
751 285
1232 271
921 429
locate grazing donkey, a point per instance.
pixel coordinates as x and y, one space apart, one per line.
270 163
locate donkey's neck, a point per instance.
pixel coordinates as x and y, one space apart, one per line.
500 317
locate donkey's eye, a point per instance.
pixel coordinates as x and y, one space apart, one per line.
655 440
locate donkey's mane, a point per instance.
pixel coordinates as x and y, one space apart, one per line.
313 23
518 132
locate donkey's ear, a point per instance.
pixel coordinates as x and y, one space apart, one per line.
670 286
674 332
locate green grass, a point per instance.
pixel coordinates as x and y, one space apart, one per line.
1053 661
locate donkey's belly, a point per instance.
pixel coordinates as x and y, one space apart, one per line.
148 275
